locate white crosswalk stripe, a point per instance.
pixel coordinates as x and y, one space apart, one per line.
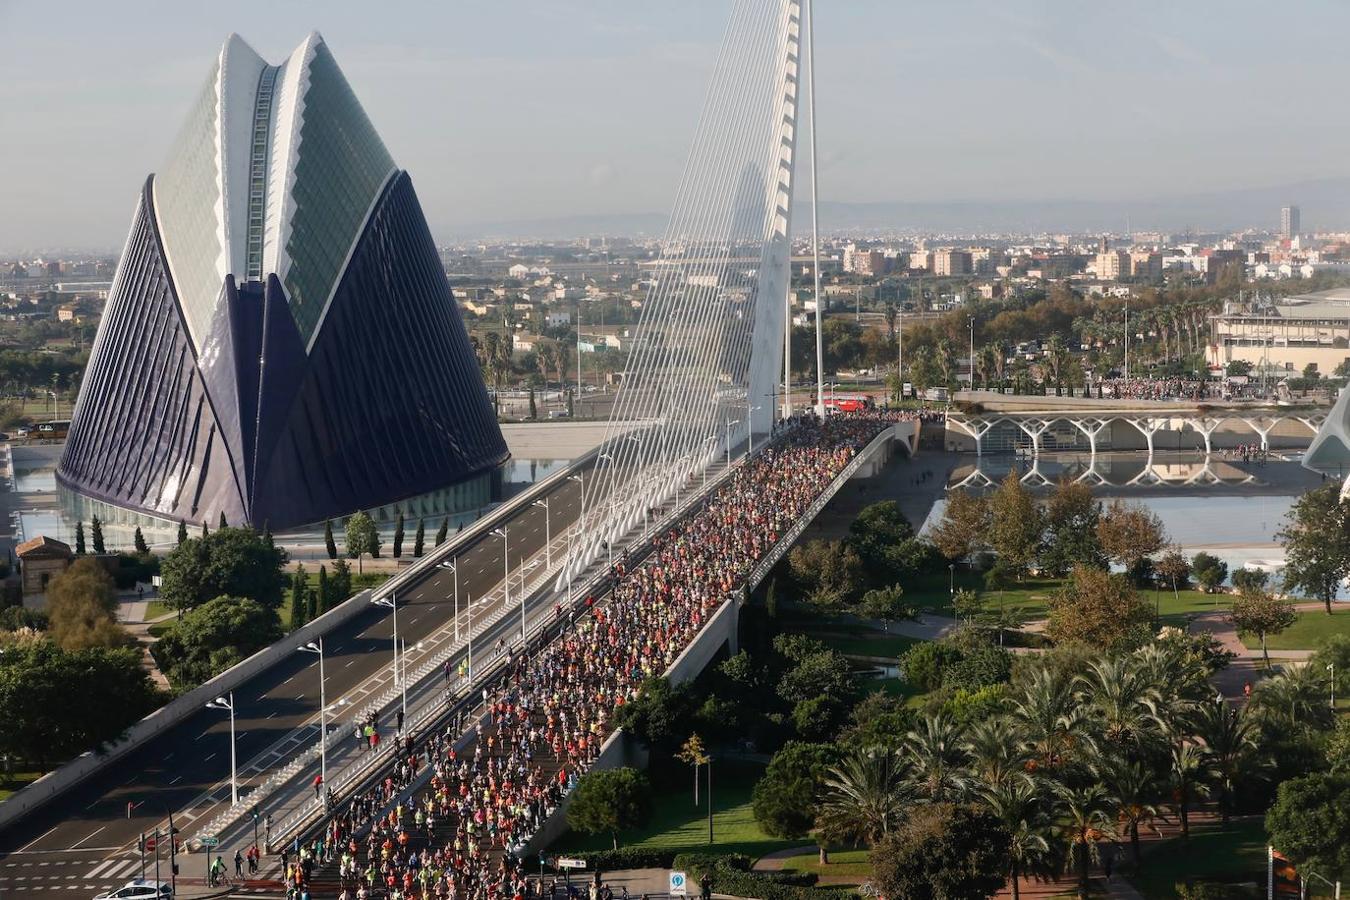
99 869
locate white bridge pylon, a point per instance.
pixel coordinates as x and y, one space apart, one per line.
708 350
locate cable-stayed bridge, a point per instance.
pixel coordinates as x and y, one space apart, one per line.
710 348
702 390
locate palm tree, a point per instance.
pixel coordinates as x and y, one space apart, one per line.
1186 780
864 797
1020 805
1051 720
1085 822
1293 698
1118 691
544 359
1133 788
937 759
1230 740
997 755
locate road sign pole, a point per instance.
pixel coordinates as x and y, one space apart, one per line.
142 854
156 856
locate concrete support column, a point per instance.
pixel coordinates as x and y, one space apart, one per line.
1148 428
1034 428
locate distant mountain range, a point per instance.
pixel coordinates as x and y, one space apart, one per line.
1325 204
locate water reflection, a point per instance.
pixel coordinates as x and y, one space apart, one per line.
1131 469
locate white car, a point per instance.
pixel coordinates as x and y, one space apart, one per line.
140 889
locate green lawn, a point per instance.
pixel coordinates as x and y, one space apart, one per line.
1307 633
677 824
156 608
870 644
850 863
20 780
1235 855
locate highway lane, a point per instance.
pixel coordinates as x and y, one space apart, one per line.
90 823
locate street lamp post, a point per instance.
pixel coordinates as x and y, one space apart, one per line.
453 566
228 704
548 532
972 353
1331 667
730 422
524 595
317 648
391 602
506 564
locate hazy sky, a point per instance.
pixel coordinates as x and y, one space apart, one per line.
524 109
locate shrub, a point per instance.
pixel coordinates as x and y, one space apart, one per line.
923 664
980 668
731 875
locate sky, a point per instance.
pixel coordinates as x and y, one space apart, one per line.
508 110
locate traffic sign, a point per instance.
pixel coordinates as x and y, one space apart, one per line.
209 840
567 863
679 885
149 842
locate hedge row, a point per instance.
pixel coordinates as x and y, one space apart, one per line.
731 875
627 858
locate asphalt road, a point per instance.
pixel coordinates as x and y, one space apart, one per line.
84 841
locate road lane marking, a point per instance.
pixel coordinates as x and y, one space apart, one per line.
91 834
38 838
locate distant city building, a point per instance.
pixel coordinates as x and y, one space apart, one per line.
279 223
1146 265
953 262
1308 328
1289 221
1112 265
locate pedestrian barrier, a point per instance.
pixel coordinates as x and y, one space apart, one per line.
176 711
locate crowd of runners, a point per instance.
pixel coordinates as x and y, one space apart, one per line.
545 717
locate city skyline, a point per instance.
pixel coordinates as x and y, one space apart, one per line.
985 104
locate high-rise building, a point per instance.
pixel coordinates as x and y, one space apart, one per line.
280 344
952 262
1289 221
1112 265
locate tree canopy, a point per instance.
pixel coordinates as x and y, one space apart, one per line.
57 703
943 852
229 562
82 608
610 801
213 637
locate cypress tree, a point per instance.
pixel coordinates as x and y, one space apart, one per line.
328 539
534 409
139 541
313 605
325 590
96 532
79 538
420 539
267 537
222 523
342 581
205 531
442 531
182 532
398 537
299 598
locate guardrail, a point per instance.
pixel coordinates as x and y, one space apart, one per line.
176 711
432 709
780 549
424 566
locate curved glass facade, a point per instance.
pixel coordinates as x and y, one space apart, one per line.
339 171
